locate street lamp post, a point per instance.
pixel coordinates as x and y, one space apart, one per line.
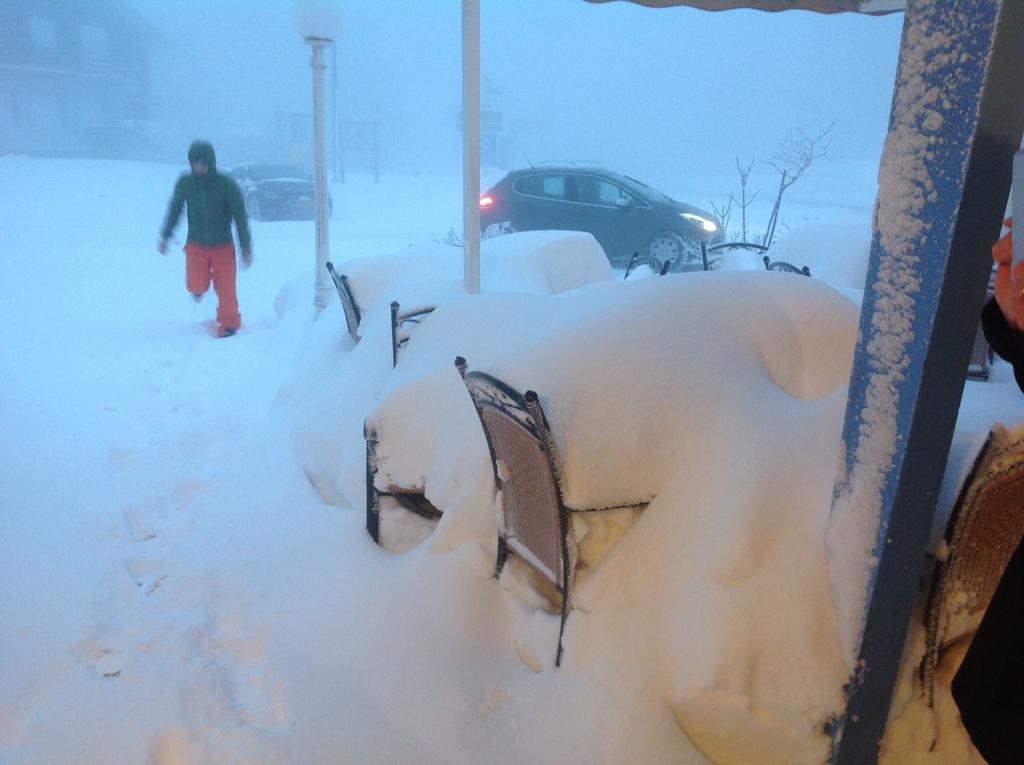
471 145
318 22
323 244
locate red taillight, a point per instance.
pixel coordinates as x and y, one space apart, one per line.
486 201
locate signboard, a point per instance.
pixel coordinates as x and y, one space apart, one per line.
358 135
489 150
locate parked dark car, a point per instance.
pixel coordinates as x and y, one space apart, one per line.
623 214
276 192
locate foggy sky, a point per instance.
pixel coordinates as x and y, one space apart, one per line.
652 92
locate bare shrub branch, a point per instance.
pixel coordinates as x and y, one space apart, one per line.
798 152
795 156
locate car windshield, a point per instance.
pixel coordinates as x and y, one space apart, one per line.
650 191
269 172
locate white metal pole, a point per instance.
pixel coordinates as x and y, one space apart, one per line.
335 142
321 289
471 144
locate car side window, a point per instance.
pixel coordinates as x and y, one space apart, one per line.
613 194
598 191
549 186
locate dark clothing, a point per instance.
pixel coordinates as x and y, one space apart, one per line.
1004 339
989 686
213 201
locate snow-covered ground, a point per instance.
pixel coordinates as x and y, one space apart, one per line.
184 572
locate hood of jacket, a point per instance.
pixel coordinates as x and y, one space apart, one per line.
203 151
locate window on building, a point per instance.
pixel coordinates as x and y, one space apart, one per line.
44 111
95 40
91 111
43 32
7 117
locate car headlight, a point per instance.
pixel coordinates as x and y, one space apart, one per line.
708 225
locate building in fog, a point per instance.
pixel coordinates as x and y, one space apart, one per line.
74 78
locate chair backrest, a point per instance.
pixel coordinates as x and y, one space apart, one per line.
756 246
781 265
372 495
534 519
984 529
348 301
399 318
659 267
710 252
410 498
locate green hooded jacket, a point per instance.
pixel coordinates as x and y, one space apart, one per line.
212 200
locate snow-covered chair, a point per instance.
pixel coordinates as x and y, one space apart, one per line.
782 265
785 267
657 266
983 531
534 523
723 246
410 498
348 301
399 319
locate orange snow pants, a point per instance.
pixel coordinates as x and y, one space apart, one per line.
218 262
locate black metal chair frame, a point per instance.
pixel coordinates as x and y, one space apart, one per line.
488 392
650 260
348 301
399 318
410 498
738 246
663 268
781 265
982 354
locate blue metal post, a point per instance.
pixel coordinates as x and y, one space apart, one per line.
956 122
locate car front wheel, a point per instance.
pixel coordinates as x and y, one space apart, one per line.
678 250
499 228
252 206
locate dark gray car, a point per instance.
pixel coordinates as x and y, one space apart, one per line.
623 214
276 192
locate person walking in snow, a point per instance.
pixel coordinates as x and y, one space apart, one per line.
213 200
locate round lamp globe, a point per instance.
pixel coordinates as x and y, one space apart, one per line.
317 19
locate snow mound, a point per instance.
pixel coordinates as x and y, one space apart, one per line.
537 262
542 261
836 251
631 378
